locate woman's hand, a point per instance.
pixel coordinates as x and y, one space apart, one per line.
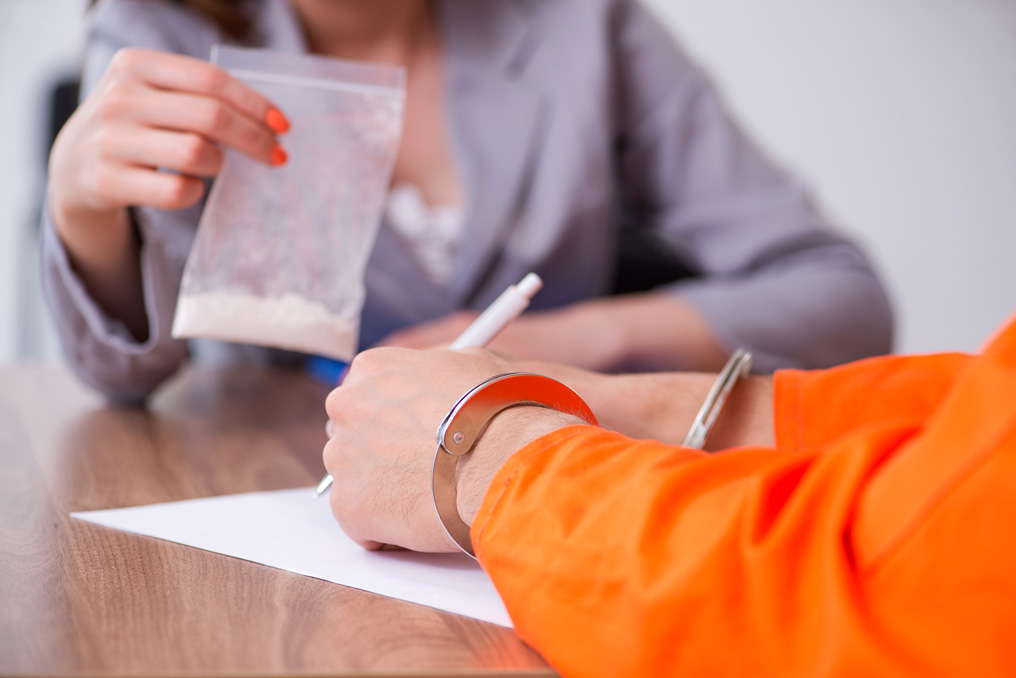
651 331
384 420
545 335
156 110
150 111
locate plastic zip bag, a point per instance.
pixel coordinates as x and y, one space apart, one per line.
280 253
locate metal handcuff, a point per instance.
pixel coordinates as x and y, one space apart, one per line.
737 367
470 416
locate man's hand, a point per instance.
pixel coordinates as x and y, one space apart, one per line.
386 414
384 434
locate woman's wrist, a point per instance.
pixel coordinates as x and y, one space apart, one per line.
659 331
507 433
594 318
93 239
104 250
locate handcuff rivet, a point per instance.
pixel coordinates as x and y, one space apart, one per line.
458 437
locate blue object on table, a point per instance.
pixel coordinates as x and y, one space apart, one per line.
326 370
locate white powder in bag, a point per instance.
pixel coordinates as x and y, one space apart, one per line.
288 321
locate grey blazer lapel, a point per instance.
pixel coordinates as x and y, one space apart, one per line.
495 117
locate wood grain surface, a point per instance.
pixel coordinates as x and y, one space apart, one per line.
80 599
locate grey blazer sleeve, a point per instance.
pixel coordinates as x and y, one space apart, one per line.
100 349
775 278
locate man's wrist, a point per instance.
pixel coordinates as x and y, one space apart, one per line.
663 406
507 433
747 418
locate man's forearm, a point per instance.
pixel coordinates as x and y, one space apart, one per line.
662 406
644 406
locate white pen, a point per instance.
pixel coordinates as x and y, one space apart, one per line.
506 308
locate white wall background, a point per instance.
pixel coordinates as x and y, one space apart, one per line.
901 114
38 45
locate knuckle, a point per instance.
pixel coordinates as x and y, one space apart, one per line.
330 455
334 403
213 79
365 361
253 138
214 159
103 180
214 117
193 150
115 102
105 141
178 191
125 60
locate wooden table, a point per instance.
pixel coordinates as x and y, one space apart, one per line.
76 598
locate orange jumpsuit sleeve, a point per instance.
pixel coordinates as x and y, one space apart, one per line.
878 542
814 408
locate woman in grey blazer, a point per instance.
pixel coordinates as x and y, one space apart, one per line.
541 122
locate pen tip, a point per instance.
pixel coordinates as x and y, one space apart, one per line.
325 483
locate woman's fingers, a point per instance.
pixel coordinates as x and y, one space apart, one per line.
174 92
180 151
154 111
173 72
212 119
127 185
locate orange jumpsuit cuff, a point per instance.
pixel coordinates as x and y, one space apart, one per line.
503 478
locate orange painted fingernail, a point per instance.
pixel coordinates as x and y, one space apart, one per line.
279 156
276 121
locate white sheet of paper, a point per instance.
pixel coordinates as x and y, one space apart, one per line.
287 529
